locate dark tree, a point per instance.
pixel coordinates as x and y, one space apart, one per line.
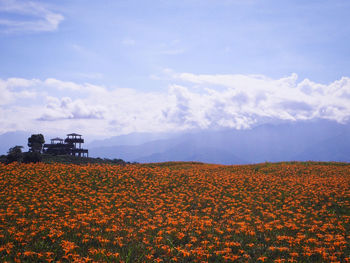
32 157
35 142
15 154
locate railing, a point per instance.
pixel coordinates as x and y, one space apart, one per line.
69 140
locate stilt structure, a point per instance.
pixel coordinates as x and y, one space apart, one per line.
70 146
76 140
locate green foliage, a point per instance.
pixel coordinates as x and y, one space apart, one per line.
35 157
3 158
32 157
14 154
35 142
69 159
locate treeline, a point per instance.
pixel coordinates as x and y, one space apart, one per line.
35 144
15 154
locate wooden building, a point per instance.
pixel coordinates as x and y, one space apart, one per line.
70 146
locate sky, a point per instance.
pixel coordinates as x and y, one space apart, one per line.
105 68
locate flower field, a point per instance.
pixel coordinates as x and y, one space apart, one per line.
175 212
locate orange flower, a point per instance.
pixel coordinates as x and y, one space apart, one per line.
174 211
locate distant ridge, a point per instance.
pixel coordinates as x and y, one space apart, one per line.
129 139
11 139
188 152
318 140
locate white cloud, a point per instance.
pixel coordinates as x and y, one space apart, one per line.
66 108
255 97
12 90
34 17
55 83
218 101
21 83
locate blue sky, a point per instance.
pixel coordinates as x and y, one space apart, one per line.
113 67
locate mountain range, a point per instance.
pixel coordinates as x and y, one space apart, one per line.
11 139
318 140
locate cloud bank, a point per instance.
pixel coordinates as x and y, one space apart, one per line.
192 101
35 17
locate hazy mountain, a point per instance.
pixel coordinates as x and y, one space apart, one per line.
11 139
316 140
301 141
190 152
336 148
129 139
133 152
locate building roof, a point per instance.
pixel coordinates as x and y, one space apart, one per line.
73 134
56 139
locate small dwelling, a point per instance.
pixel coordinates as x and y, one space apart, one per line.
70 146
